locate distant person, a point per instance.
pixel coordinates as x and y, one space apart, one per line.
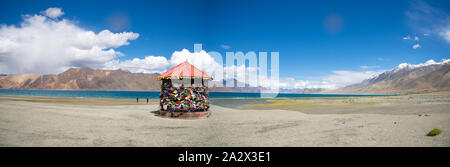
147 100
137 99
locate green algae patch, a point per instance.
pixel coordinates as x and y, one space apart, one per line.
308 104
434 132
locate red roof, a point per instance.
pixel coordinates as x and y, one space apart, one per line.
184 70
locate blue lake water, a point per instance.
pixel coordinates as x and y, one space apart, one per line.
144 94
224 99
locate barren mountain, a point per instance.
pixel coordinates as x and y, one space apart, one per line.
405 78
83 79
94 79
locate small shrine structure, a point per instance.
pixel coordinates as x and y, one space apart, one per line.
184 92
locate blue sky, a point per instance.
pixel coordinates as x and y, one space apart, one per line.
313 38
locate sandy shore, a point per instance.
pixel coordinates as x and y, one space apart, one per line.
357 121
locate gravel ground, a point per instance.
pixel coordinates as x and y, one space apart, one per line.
393 121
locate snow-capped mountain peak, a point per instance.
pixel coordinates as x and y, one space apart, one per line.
403 66
426 77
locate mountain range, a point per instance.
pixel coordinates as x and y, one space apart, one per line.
405 78
95 79
83 79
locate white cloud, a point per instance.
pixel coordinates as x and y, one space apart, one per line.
291 83
159 64
416 38
225 46
201 60
342 78
43 45
150 64
427 19
53 12
367 67
336 79
446 34
104 39
205 62
242 73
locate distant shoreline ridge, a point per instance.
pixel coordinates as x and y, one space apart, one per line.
154 94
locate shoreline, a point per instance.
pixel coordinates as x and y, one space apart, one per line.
157 91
